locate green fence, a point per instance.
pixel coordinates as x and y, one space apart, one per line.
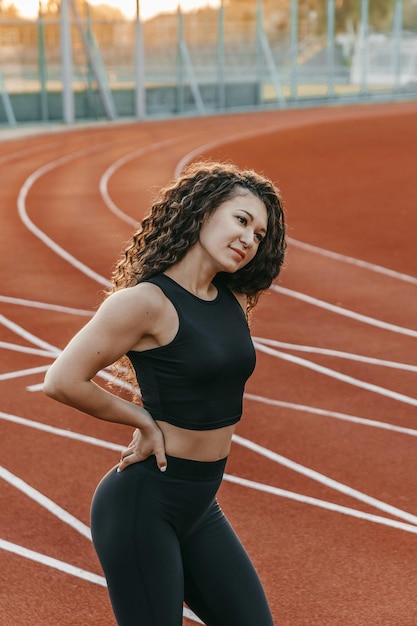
76 62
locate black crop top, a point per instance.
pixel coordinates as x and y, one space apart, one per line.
197 380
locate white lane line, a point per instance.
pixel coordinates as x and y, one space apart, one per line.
50 243
29 182
321 478
379 269
118 382
285 125
213 145
326 371
25 334
48 307
19 154
190 615
51 562
51 351
26 372
322 504
61 432
286 355
333 414
5 345
103 187
54 353
325 480
345 312
66 568
333 373
336 353
104 181
204 148
45 502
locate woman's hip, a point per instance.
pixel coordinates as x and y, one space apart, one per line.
142 494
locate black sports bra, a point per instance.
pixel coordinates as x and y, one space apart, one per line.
197 380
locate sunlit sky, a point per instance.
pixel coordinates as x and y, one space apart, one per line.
148 8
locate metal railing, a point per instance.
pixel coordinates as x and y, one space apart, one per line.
73 65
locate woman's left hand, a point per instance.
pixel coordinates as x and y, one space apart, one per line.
144 444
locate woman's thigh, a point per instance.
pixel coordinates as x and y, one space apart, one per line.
138 549
221 584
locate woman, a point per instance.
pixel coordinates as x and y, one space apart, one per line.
212 242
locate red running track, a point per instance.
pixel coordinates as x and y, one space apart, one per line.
321 483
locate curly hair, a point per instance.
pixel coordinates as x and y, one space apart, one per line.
173 223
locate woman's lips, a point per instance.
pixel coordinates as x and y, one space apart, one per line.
238 251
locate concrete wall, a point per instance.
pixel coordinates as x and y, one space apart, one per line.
160 101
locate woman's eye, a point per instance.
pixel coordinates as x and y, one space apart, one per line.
242 219
258 238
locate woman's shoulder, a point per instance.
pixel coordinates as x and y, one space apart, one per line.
140 298
130 313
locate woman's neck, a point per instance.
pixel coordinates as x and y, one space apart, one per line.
194 275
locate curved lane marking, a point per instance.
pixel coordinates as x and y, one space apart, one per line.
365 319
44 305
54 352
325 480
339 257
26 372
6 345
355 382
277 458
50 243
322 504
349 356
19 154
25 334
67 568
180 165
379 269
312 474
314 118
332 414
51 562
30 181
198 152
45 502
104 181
61 432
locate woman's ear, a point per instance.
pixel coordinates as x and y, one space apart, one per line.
206 217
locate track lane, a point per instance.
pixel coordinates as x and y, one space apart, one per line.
319 442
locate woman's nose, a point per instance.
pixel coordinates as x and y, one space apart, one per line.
248 238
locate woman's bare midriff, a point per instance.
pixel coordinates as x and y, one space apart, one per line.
197 445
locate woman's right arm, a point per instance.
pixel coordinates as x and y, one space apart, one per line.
117 327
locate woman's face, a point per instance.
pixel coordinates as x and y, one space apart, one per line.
232 233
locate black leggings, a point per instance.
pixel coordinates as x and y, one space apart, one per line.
162 539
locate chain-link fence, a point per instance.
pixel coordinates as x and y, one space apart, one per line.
75 64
